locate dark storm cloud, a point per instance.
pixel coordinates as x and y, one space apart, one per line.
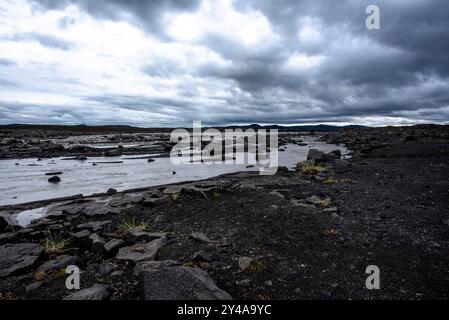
146 13
319 64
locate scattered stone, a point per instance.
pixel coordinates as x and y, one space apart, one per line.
97 242
141 251
111 191
134 236
80 234
113 245
99 209
94 226
317 156
116 274
154 202
341 165
245 262
71 209
113 153
106 268
334 154
180 283
141 266
199 237
96 292
16 258
54 179
60 262
172 189
330 210
201 256
53 173
136 199
33 286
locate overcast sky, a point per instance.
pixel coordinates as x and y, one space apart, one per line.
167 63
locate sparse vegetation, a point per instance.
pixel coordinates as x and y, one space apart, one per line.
335 181
333 232
7 296
131 224
255 266
175 195
309 167
40 275
54 245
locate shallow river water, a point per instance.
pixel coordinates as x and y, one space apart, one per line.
24 180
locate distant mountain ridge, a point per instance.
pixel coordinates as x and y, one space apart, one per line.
131 129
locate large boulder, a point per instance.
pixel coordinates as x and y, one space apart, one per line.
180 283
16 258
317 156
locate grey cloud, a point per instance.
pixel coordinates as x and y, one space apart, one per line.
399 71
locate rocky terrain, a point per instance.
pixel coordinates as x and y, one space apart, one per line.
303 234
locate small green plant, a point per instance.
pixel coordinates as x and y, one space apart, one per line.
175 195
324 202
54 245
255 266
7 296
335 181
311 168
131 224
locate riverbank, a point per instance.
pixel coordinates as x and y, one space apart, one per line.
298 234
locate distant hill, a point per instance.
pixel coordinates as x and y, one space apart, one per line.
129 129
317 128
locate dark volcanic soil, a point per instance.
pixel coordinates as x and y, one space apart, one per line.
307 236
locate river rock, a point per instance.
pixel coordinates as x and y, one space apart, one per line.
180 283
15 258
96 292
54 179
141 251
